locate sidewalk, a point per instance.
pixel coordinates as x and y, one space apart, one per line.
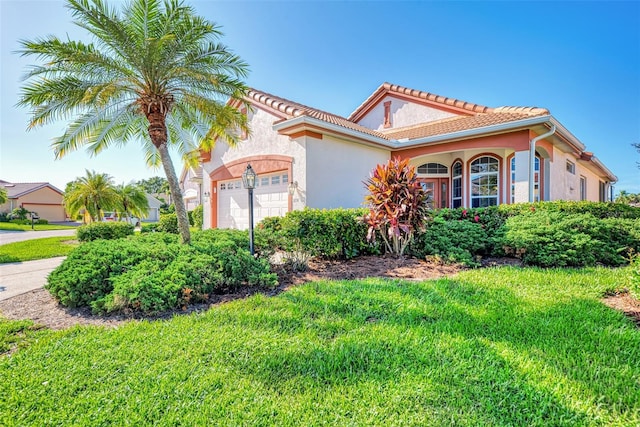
19 277
10 236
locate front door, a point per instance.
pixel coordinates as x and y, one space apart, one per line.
438 189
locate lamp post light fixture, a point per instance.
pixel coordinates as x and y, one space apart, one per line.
293 186
249 182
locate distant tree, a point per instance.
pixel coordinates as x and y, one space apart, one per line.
637 146
3 196
154 185
93 193
155 74
132 200
627 198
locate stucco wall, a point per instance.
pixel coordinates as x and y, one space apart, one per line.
593 183
336 170
262 141
563 185
192 197
46 202
403 113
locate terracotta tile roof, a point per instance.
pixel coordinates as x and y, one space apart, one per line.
292 109
417 94
17 189
478 116
458 124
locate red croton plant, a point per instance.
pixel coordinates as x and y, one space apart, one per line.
397 205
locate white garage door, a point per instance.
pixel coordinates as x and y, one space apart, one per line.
270 199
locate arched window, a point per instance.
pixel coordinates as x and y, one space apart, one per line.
536 180
484 182
456 185
433 169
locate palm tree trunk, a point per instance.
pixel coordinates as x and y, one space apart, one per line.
174 185
155 112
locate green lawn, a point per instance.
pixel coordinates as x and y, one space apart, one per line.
28 250
36 227
508 346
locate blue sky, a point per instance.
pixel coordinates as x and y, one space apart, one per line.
580 60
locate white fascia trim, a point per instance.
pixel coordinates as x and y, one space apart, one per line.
398 145
610 174
564 131
477 131
302 120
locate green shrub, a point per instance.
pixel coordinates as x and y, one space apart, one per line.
152 272
597 209
20 213
87 272
104 230
42 222
328 233
457 241
198 217
149 228
168 223
556 239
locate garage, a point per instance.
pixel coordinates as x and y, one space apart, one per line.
270 199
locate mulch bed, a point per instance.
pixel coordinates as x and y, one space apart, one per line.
43 309
624 302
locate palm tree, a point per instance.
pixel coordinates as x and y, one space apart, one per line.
155 73
132 200
92 194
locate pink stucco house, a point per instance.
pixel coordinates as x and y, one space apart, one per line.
468 155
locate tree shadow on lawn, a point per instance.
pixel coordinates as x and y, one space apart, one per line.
475 350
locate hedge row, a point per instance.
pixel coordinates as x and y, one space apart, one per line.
153 272
335 233
548 234
104 230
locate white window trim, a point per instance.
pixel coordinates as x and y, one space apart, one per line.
496 173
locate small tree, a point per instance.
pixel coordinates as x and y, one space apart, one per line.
153 185
397 205
132 200
92 194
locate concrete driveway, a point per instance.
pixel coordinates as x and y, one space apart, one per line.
19 277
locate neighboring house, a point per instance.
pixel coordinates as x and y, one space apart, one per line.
154 209
191 186
468 155
40 197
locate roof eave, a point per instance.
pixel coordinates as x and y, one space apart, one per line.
475 132
290 126
606 172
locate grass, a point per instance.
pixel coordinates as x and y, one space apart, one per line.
488 347
37 227
29 250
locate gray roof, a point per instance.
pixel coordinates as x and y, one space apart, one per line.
153 202
18 189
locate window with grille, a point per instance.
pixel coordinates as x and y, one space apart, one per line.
456 185
433 169
484 180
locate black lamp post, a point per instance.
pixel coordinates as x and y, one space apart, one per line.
249 182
